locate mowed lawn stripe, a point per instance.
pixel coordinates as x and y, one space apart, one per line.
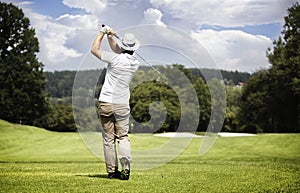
36 160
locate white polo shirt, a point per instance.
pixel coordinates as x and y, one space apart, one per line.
120 70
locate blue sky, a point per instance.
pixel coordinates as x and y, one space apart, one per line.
235 33
53 8
271 30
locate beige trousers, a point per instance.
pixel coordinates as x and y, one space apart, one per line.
115 122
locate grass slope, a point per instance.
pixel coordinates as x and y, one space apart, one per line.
36 160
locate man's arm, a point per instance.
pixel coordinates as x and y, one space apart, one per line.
112 43
96 45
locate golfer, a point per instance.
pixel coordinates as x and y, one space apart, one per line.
114 107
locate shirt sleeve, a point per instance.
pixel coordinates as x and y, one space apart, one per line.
107 56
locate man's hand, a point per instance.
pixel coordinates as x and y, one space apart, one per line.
107 30
111 32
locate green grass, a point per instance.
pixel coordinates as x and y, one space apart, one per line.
36 160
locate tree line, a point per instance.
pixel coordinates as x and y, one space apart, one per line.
269 101
59 84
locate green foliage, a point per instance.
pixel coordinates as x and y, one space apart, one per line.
22 96
144 95
230 77
270 100
218 104
204 99
176 81
60 83
175 96
233 98
253 109
60 118
285 73
235 78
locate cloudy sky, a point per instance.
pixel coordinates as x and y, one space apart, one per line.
235 33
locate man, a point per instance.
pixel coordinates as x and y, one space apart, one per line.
114 107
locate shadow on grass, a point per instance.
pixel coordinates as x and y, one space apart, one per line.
93 175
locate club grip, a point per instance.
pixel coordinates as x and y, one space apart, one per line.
103 25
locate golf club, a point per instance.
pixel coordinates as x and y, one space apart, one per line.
103 25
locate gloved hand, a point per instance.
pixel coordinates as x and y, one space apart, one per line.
105 29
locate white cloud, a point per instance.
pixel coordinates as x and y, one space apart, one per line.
93 6
235 50
153 16
24 3
65 39
229 13
87 22
53 37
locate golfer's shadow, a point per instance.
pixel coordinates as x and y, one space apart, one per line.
92 175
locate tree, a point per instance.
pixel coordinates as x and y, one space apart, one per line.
255 111
60 118
285 60
270 99
218 104
233 94
22 96
174 101
204 99
154 94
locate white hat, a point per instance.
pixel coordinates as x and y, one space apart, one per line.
129 42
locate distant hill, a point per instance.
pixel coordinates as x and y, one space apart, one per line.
59 84
230 77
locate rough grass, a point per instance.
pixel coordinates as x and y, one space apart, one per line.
36 160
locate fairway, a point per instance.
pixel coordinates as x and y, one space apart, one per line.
36 160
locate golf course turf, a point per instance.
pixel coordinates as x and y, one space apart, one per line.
37 160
